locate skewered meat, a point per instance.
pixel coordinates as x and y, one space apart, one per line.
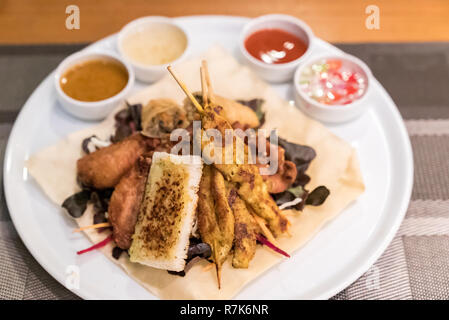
232 111
285 174
215 218
250 185
245 230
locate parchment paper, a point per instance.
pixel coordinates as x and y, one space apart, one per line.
336 166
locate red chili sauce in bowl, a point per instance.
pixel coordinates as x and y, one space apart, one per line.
275 46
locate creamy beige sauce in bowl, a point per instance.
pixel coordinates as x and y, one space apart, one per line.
154 44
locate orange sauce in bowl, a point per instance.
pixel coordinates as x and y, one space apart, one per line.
275 46
94 80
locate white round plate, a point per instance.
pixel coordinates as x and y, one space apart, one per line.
340 253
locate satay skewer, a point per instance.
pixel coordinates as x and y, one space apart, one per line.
217 266
252 187
210 92
186 91
204 88
93 226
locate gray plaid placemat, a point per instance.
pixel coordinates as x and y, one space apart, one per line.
416 263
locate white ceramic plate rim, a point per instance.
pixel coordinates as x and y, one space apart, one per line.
374 248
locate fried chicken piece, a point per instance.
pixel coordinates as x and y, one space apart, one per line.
250 185
103 168
286 172
126 200
283 179
235 111
245 230
215 218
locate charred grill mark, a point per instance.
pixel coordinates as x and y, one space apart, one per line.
218 109
241 233
231 197
247 177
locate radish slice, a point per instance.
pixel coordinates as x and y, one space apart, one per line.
93 226
96 246
265 241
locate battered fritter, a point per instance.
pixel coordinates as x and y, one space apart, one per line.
126 201
105 167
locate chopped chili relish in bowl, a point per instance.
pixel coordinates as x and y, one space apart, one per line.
333 81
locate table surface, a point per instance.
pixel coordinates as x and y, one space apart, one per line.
43 21
415 265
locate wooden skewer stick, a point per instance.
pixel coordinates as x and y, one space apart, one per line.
204 88
266 232
217 267
210 92
208 267
186 91
93 226
218 276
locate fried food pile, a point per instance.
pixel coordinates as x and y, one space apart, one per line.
232 208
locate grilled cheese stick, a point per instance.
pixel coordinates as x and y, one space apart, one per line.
165 221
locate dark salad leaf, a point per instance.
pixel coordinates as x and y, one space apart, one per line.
290 195
135 111
117 252
76 204
301 156
127 121
297 191
256 106
177 273
121 132
100 201
318 196
100 217
85 144
93 143
202 250
196 249
97 202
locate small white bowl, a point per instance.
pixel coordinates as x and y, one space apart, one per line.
95 110
144 72
333 113
280 72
